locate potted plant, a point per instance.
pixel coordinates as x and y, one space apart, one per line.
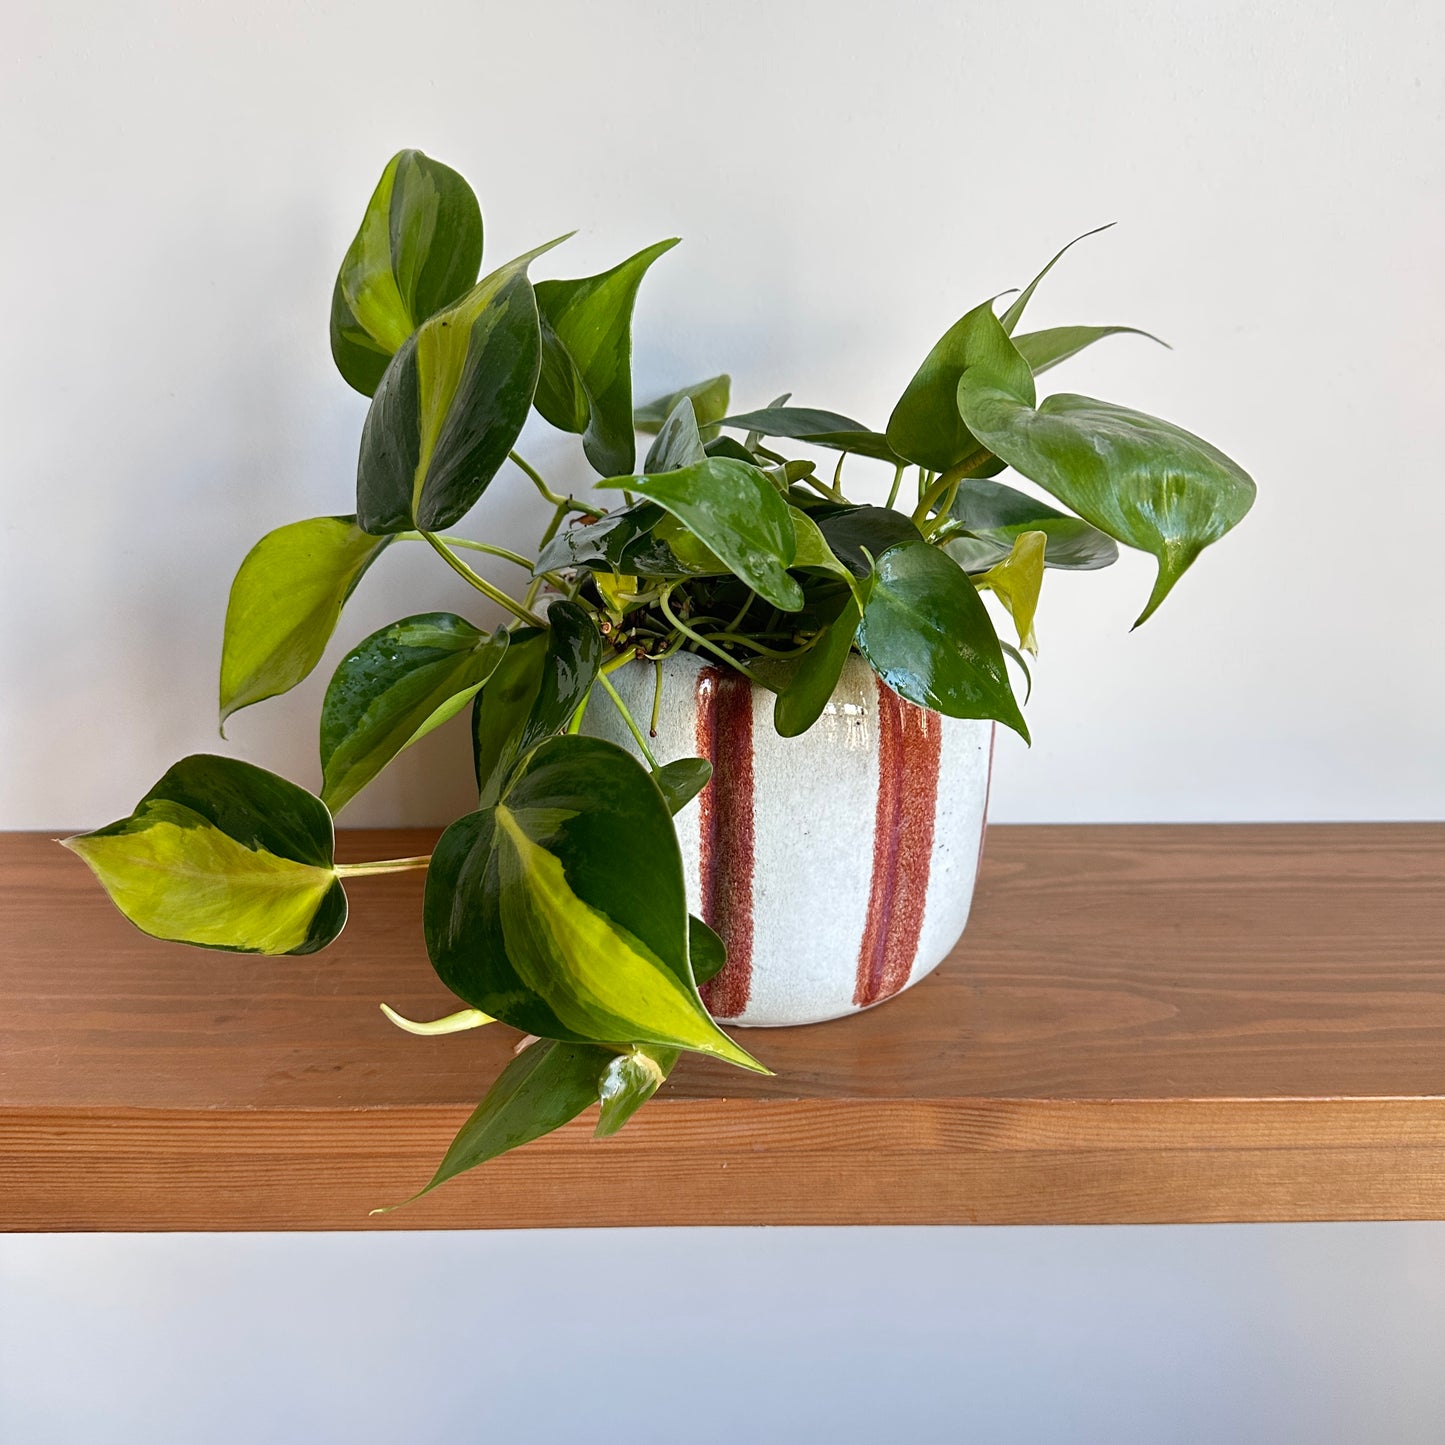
732 738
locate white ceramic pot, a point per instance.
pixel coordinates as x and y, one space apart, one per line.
837 866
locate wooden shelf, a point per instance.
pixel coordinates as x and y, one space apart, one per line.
1142 1024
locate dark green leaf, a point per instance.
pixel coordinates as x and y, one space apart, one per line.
856 533
928 636
586 380
601 545
546 1086
418 249
285 602
709 402
801 703
736 513
393 689
1145 482
707 952
678 443
541 681
682 780
996 516
1044 349
537 915
223 855
450 406
727 447
817 428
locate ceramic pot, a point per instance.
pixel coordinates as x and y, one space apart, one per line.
837 866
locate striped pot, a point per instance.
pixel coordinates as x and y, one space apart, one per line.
837 866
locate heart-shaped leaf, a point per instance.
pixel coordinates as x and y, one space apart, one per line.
540 682
586 380
393 689
678 442
709 403
736 513
1044 349
1146 482
450 405
537 915
285 602
223 855
996 516
1017 581
418 249
681 780
928 635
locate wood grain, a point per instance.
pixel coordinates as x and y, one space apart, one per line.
1141 1024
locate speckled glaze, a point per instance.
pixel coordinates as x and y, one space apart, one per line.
837 866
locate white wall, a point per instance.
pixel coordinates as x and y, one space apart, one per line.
181 182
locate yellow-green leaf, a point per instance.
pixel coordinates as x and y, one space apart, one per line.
285 602
223 855
1016 582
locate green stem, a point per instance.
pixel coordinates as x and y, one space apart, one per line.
494 594
536 477
627 717
385 865
897 482
505 553
682 627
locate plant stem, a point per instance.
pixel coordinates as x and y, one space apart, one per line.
505 553
682 627
838 477
494 594
385 865
627 717
897 482
537 481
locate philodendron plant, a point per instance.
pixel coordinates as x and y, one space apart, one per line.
558 904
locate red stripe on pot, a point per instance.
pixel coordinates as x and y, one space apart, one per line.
910 745
725 739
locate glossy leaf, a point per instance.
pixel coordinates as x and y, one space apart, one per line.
736 513
802 701
709 403
542 680
285 602
1146 482
393 689
1016 581
535 914
586 378
1044 349
450 406
678 443
681 780
418 249
1014 314
928 635
925 426
223 855
997 515
857 533
628 1082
